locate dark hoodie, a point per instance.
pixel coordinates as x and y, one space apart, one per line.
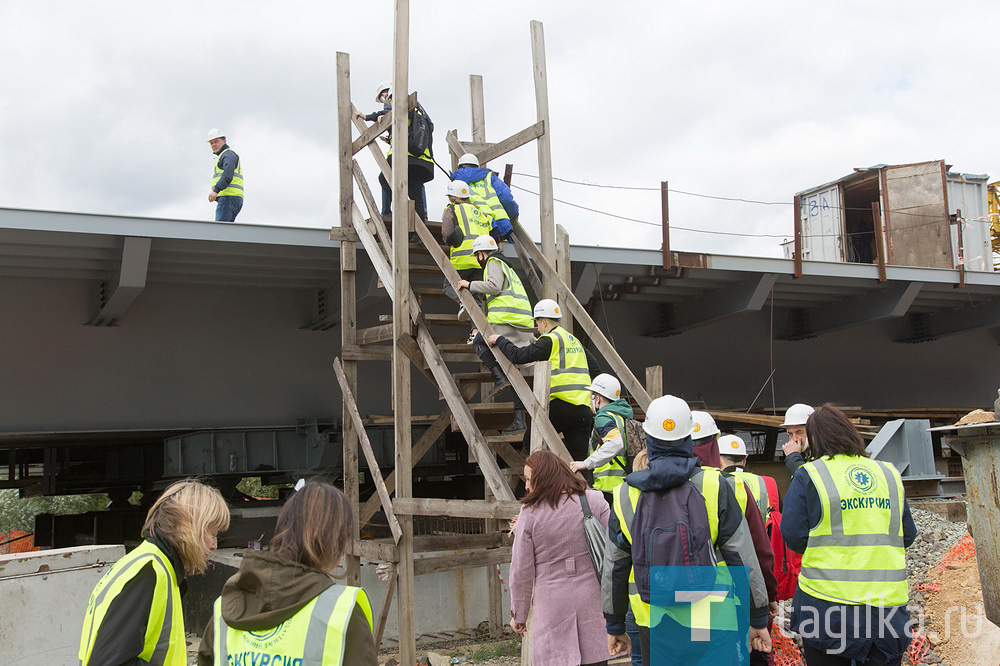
604 424
670 467
268 590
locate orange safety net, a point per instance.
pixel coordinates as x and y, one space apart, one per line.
784 651
17 541
960 552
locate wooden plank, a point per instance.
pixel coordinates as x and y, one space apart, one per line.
380 160
478 109
383 615
431 506
366 446
342 234
412 350
546 205
368 336
375 252
529 270
543 381
510 455
444 542
570 303
565 269
455 146
381 551
484 558
373 210
513 142
358 353
797 232
665 223
879 240
654 381
372 132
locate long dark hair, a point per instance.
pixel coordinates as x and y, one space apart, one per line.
831 433
314 526
551 477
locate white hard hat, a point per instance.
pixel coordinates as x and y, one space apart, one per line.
606 385
458 188
382 87
547 308
484 243
797 415
704 425
732 446
668 418
215 133
468 158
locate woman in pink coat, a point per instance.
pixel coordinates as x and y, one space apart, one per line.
551 572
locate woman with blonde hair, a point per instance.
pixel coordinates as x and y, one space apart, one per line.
283 605
134 615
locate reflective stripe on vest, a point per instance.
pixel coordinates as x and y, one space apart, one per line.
570 374
484 194
474 223
758 488
315 635
626 501
235 187
511 305
164 641
855 554
611 474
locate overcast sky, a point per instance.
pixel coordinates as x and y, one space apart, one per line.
105 105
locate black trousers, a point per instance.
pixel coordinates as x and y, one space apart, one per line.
574 422
815 657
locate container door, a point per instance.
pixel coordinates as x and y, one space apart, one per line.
822 225
967 193
915 209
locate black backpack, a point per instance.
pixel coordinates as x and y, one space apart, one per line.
670 529
421 133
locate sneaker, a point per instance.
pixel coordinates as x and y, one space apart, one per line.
472 336
463 315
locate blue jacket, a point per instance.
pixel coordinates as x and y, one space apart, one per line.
227 162
857 632
475 174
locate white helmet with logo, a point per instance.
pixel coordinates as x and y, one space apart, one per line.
797 415
704 425
547 308
606 385
484 243
385 86
732 446
468 159
668 418
215 133
458 188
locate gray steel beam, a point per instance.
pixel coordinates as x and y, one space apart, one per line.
586 285
889 303
961 320
748 296
131 281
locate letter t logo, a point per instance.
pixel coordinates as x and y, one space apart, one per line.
701 610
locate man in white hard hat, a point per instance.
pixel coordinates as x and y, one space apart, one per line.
421 166
462 222
489 190
227 178
798 443
572 367
643 534
608 454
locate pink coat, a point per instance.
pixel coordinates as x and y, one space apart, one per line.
551 572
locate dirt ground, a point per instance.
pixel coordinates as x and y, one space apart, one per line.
977 643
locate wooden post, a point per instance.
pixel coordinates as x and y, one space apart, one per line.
961 248
543 377
348 301
879 239
665 222
654 381
401 324
546 204
478 109
565 270
796 205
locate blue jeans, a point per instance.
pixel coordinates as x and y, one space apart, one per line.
632 630
416 191
227 208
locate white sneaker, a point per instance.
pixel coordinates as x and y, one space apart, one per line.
463 315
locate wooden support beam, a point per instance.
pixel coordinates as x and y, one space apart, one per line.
373 210
383 615
797 230
429 506
546 203
665 223
543 381
380 551
570 304
444 542
565 269
478 109
484 558
377 154
342 234
879 239
366 446
412 350
497 150
369 336
372 132
654 381
374 250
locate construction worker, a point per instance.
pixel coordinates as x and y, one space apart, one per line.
572 368
848 517
705 438
134 615
643 534
798 443
227 178
462 222
489 191
420 167
607 456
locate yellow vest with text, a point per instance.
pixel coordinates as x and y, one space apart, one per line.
740 480
511 305
626 500
611 474
235 187
570 373
485 196
164 641
855 554
314 636
474 223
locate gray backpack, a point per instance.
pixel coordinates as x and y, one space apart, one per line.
596 536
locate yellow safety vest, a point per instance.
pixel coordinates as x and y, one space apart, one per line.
425 156
235 187
855 554
758 488
474 223
511 305
164 642
611 474
626 500
570 373
484 195
314 636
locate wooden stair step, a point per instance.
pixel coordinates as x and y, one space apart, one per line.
425 269
472 377
491 407
447 320
500 439
456 348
